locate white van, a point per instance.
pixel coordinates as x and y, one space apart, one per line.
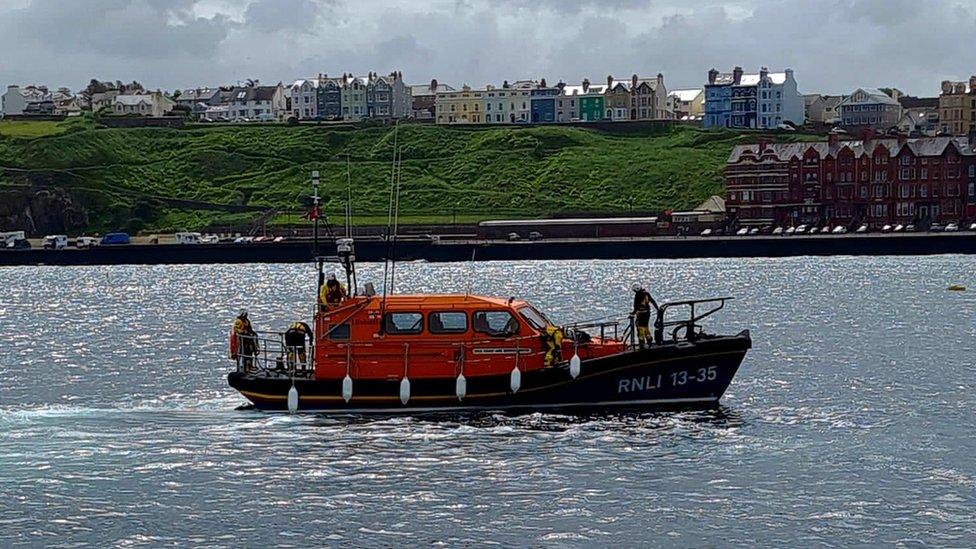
55 242
187 238
7 239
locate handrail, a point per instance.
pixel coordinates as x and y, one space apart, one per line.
689 324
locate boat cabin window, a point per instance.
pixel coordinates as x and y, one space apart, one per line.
339 332
403 323
535 319
450 322
496 323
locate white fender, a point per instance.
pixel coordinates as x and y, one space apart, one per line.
292 400
461 387
516 379
346 388
574 366
404 390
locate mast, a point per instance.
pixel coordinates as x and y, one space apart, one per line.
389 222
315 231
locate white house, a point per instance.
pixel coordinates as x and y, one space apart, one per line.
304 99
153 104
258 103
13 101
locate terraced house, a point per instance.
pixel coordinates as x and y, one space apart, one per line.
760 100
465 106
387 96
957 106
352 97
873 181
869 108
637 99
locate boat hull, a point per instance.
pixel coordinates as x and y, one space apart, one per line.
682 375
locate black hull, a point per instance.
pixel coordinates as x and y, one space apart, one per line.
668 376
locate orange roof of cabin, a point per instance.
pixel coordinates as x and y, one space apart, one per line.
426 301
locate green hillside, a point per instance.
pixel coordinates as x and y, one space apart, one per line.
166 179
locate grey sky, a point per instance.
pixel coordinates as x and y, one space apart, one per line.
833 45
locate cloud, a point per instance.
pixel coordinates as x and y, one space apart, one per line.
833 45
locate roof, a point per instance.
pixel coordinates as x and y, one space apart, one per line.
922 146
687 95
425 89
133 99
910 102
713 204
578 90
749 79
652 82
868 96
568 221
198 94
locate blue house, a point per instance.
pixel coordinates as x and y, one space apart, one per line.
718 98
542 102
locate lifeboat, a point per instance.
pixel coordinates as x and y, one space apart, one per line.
395 354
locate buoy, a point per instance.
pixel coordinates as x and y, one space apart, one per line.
292 399
346 388
957 288
404 390
516 379
574 366
461 387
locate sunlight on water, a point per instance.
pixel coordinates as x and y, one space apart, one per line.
850 422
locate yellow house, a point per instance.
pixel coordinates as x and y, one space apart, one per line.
464 106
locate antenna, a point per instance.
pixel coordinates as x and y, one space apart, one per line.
389 221
315 230
348 197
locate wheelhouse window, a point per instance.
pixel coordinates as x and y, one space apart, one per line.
450 322
403 323
339 332
496 323
535 319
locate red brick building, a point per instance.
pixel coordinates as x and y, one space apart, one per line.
873 181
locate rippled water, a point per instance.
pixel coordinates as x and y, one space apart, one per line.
851 422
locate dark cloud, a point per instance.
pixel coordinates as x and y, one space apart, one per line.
833 45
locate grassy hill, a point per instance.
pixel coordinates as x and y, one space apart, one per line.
167 179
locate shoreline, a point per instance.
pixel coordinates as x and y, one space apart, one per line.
412 249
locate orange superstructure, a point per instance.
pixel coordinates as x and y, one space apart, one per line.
429 336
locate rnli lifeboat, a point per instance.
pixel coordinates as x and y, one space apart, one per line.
414 354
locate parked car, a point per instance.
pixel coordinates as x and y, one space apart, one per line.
18 244
972 227
887 229
936 228
278 239
707 232
910 228
187 238
55 242
862 229
86 242
754 231
839 229
898 228
115 239
813 230
778 231
513 237
952 227
209 239
801 229
790 231
243 240
742 232
535 235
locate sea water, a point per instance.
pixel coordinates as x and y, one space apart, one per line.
851 421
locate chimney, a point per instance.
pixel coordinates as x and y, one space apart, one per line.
633 82
433 85
736 76
660 80
586 85
542 83
832 139
505 84
946 87
712 76
763 73
609 81
972 84
868 134
763 143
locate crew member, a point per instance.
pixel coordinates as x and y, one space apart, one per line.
333 292
552 338
295 343
642 314
243 339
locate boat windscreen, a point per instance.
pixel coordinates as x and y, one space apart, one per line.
535 319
